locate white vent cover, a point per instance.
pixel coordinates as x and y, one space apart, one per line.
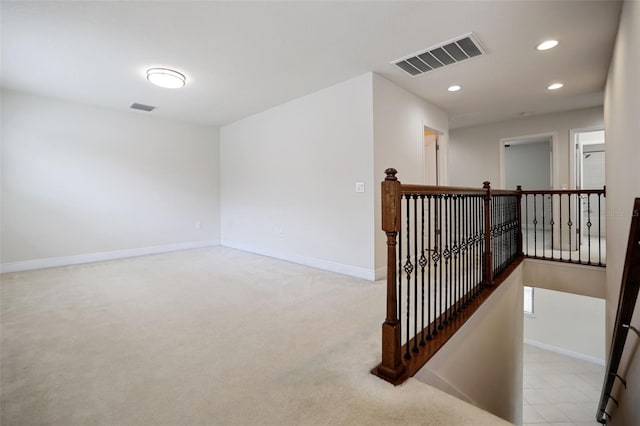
441 55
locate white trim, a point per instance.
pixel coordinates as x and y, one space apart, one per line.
52 262
554 156
439 150
326 265
563 351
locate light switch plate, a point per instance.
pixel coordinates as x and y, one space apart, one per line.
359 186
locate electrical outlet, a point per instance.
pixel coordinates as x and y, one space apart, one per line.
198 225
359 186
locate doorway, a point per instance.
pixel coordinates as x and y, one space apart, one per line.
588 155
431 157
528 161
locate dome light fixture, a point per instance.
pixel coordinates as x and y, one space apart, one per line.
548 44
454 88
555 86
166 78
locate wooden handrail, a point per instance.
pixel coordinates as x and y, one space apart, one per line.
626 306
602 191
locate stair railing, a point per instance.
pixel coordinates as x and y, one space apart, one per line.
448 248
626 306
565 225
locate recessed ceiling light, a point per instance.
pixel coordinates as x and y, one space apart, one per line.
166 78
454 88
546 45
555 86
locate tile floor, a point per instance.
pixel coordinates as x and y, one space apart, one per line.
559 390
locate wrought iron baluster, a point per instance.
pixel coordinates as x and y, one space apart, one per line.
400 269
437 266
599 231
569 224
423 263
552 223
415 276
535 226
408 269
560 221
579 227
526 220
447 253
429 289
589 229
441 261
544 246
456 254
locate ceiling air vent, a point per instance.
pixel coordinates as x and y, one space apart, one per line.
441 55
142 107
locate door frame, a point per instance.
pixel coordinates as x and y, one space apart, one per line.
439 157
553 158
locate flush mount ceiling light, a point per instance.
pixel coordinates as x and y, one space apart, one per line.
546 45
555 86
166 78
454 88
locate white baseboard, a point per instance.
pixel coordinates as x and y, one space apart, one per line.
563 351
339 268
52 262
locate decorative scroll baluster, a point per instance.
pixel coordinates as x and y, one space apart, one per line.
408 268
535 227
440 198
423 263
415 277
430 297
447 256
579 229
437 265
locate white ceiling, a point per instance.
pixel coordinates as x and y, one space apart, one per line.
241 58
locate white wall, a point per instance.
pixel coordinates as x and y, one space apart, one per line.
566 277
399 119
78 179
567 323
288 179
482 362
621 110
474 152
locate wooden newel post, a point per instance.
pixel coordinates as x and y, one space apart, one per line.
488 256
391 366
519 212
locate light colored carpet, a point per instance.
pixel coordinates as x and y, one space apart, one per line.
211 336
